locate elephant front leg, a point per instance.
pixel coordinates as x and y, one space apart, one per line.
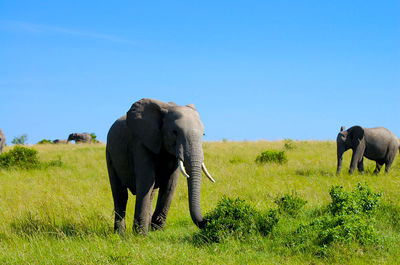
357 157
142 217
165 196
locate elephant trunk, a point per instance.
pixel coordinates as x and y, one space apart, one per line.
194 184
340 152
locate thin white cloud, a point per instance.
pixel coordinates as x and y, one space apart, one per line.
39 28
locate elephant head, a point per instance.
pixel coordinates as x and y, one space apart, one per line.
178 130
348 139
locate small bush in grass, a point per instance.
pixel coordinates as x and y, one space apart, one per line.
45 141
94 140
20 157
289 144
272 156
234 218
360 201
349 219
290 204
24 158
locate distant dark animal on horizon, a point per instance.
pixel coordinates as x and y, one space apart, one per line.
378 144
59 141
80 138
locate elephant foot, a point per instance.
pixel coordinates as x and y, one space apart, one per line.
140 228
157 223
119 227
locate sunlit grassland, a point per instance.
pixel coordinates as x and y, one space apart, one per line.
64 215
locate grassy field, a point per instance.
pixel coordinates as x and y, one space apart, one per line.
64 215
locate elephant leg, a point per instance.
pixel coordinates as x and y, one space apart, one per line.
165 195
145 180
379 165
361 166
390 159
120 196
143 207
357 156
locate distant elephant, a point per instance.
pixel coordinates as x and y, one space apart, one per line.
80 138
378 144
145 151
59 141
2 141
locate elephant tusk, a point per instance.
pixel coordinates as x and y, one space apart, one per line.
203 166
182 168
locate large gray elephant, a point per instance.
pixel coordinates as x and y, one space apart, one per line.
2 141
145 151
378 144
80 138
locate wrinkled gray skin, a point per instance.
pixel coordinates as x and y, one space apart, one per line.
58 141
142 154
378 144
2 141
80 138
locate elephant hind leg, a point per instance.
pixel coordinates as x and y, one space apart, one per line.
379 165
390 159
120 196
360 165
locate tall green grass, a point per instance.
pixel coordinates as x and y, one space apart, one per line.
64 215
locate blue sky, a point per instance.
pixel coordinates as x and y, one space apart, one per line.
254 69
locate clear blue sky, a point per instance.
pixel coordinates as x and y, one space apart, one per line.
254 69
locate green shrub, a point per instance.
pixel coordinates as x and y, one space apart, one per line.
94 140
20 140
234 218
349 219
289 144
272 156
361 200
45 141
290 204
19 157
25 158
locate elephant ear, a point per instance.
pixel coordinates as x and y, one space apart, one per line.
144 119
357 134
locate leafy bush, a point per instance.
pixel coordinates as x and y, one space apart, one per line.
290 204
236 219
348 219
272 156
94 140
289 144
25 158
361 200
20 157
20 140
45 141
